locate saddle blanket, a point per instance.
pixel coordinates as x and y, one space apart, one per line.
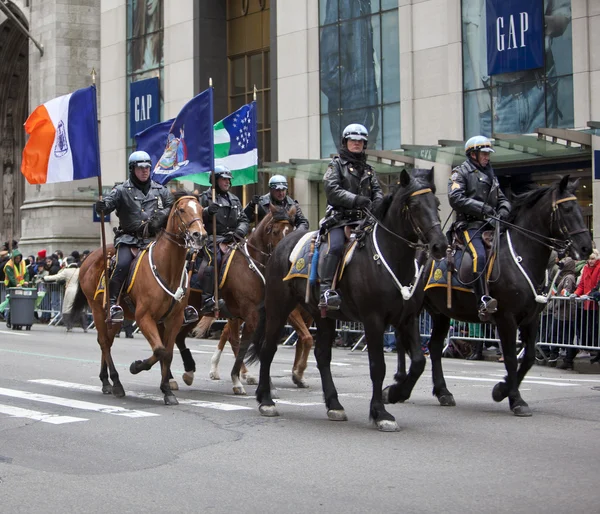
227 259
438 275
100 288
300 255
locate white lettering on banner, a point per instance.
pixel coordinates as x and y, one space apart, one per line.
512 32
142 106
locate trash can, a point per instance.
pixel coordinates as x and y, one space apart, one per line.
21 307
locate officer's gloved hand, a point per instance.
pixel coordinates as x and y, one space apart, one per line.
362 202
255 199
154 226
212 208
228 237
240 233
100 206
503 214
488 211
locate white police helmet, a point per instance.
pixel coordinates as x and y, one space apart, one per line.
478 144
278 182
356 132
139 158
222 171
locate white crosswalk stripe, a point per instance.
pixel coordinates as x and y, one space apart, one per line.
75 404
54 419
145 396
526 381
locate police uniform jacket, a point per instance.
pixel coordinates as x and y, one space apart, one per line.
134 207
343 183
469 190
230 216
287 204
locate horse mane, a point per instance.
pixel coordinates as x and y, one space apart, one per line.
180 193
527 200
419 180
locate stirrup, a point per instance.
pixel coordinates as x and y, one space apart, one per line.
116 313
330 299
209 305
190 315
489 305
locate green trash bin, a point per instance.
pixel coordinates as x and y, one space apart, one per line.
21 307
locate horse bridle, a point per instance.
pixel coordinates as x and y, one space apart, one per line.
556 217
184 232
269 245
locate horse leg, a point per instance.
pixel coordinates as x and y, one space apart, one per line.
107 366
168 336
239 350
507 330
440 327
189 364
401 390
323 345
303 347
235 343
150 330
216 358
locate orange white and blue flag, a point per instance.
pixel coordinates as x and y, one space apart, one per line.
63 143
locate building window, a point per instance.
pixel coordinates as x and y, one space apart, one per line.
360 71
144 47
521 101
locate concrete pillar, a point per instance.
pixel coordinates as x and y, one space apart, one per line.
59 216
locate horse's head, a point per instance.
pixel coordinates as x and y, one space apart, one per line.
185 222
277 224
567 222
415 201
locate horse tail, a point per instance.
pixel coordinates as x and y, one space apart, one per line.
258 338
79 303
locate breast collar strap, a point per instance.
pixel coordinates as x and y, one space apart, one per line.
183 284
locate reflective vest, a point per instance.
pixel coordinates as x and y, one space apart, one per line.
19 272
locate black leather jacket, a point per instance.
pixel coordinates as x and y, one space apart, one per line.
470 189
230 216
343 184
133 207
287 204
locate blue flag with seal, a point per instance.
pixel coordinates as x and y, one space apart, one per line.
189 148
153 140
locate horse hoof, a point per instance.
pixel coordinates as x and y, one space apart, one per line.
188 377
499 392
522 411
173 385
118 391
269 411
251 381
447 400
300 382
240 391
337 415
386 425
214 375
170 399
107 389
135 367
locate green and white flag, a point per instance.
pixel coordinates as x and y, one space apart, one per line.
235 147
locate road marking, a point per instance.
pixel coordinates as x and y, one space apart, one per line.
201 351
569 379
526 381
75 404
144 396
300 404
54 419
14 333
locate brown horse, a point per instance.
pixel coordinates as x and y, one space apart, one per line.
243 292
156 299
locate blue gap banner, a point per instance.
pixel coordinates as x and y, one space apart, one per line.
515 35
144 104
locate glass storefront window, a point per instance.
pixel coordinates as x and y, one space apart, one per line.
359 71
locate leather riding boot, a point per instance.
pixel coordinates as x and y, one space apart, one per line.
208 290
487 304
477 354
329 297
114 290
190 315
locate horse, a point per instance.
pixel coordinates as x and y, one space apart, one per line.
543 219
243 292
371 291
156 298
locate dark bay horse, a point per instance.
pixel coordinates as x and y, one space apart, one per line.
156 295
542 219
371 289
243 292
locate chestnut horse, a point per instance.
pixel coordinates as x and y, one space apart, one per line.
155 300
243 292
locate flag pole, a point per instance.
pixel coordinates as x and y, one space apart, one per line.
214 230
105 302
256 205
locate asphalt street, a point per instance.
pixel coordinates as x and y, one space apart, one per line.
66 447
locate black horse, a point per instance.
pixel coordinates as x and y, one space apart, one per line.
543 219
370 290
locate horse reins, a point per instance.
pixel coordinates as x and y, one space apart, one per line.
183 233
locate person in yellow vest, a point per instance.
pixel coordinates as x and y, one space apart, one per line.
15 271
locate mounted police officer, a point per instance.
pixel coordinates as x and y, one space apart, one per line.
350 186
143 208
277 195
232 224
475 194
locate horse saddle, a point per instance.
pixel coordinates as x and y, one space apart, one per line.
137 254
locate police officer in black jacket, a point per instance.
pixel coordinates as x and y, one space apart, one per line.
350 187
232 224
475 194
277 196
